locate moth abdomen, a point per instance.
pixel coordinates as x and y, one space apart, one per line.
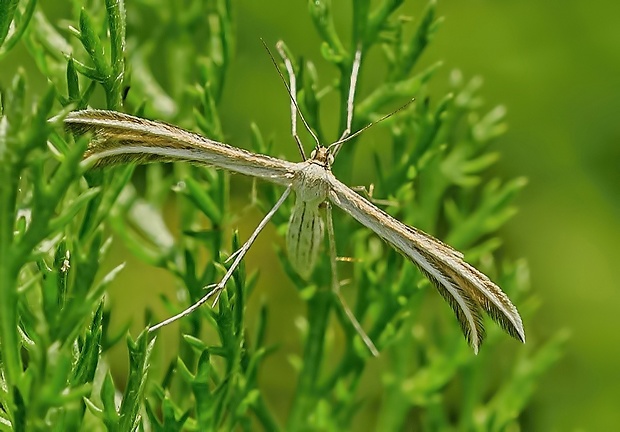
304 237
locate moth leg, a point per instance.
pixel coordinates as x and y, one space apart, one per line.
343 282
355 69
252 204
293 93
368 192
217 288
336 285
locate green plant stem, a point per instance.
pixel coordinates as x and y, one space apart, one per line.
116 18
377 20
361 12
265 416
8 273
306 393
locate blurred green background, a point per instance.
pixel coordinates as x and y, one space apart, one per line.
556 67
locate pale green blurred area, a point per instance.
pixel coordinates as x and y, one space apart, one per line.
556 66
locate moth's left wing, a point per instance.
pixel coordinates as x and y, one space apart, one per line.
121 138
465 288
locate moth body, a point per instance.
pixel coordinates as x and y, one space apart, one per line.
306 227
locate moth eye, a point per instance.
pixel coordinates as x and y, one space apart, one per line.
330 159
313 154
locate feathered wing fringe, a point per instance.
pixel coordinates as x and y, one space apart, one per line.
119 138
465 289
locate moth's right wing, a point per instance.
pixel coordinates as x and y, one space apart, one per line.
464 287
119 138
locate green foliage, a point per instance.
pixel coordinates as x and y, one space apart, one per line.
54 215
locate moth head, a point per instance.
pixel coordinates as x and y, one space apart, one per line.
322 156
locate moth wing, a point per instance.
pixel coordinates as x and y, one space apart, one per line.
465 288
119 138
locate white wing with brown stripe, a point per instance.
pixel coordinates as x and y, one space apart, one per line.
466 289
121 138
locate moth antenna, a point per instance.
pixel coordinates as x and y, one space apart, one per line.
369 125
355 70
288 89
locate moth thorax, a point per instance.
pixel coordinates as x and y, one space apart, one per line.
305 235
310 184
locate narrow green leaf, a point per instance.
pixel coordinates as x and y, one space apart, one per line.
21 24
17 92
93 45
88 71
116 23
72 209
7 12
108 399
139 361
205 406
73 85
84 371
201 199
378 19
94 409
195 342
322 18
412 51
